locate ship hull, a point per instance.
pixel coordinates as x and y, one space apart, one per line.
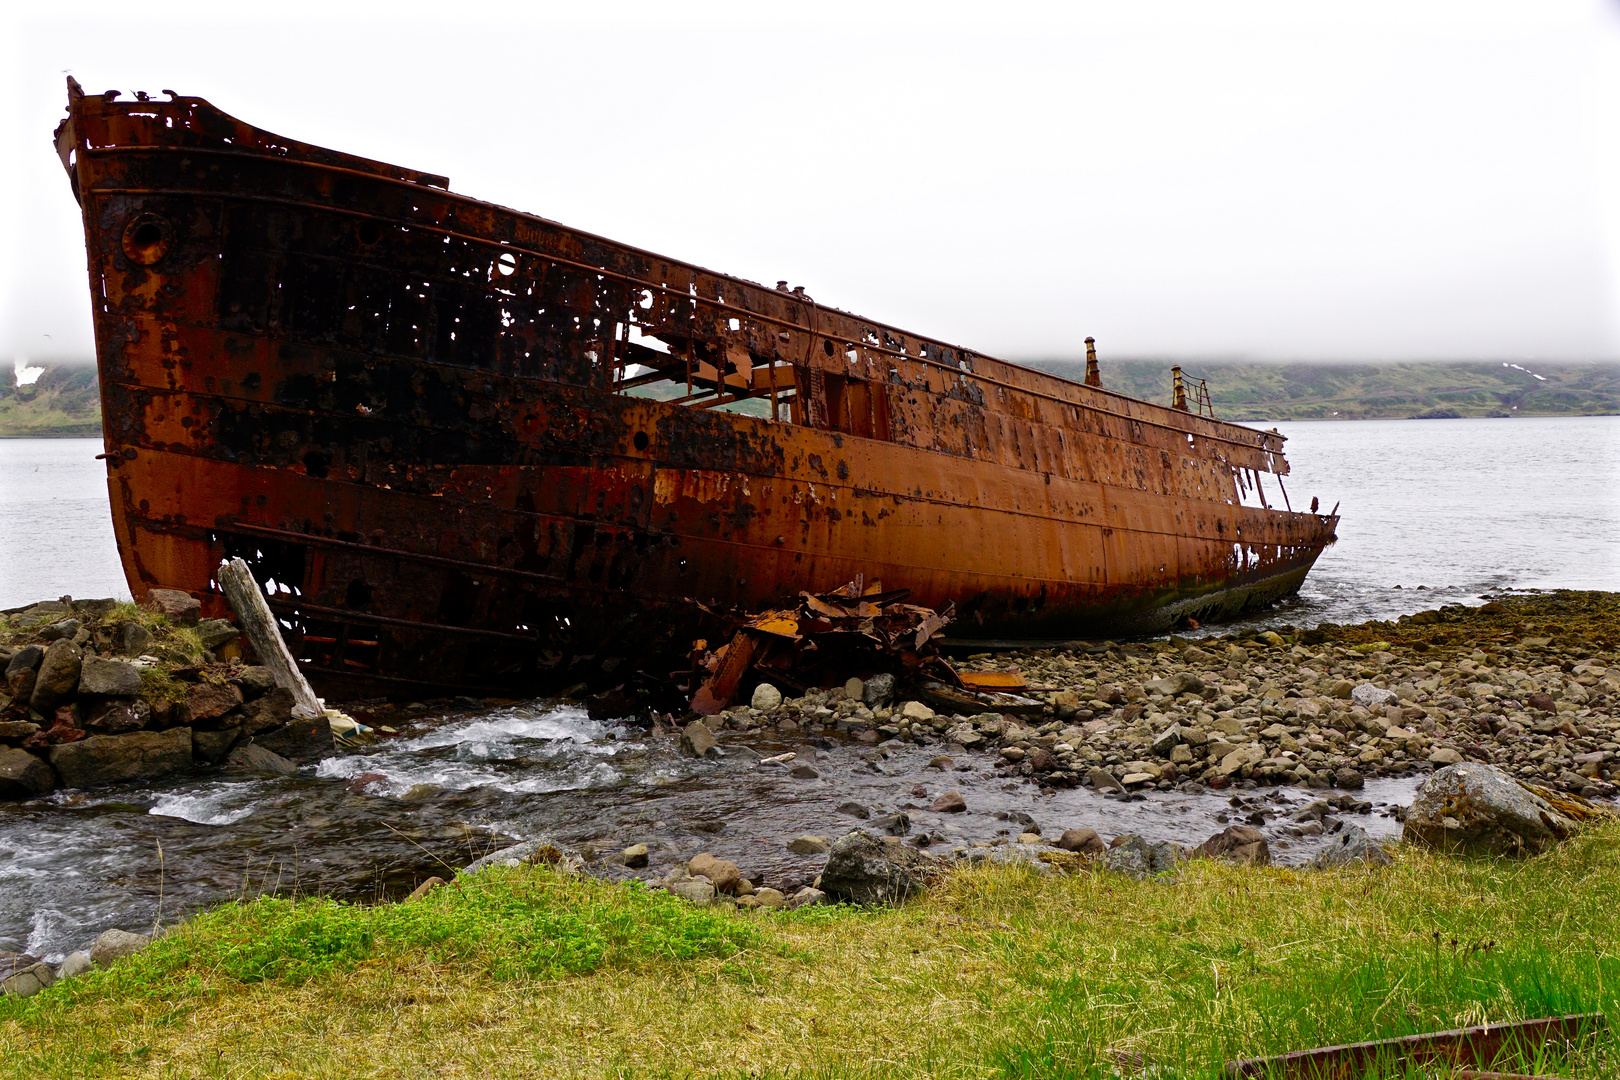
417 417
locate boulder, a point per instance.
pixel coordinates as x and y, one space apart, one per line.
303 741
251 757
809 845
865 869
109 678
634 856
1182 682
23 776
75 963
57 678
1237 843
766 697
113 944
1369 696
804 772
1139 857
182 609
721 872
1351 844
1479 809
896 824
916 712
25 976
17 729
21 669
698 892
255 681
67 628
206 701
1082 842
211 746
949 803
698 741
879 690
107 759
133 639
806 897
268 711
1445 755
215 632
1103 780
855 688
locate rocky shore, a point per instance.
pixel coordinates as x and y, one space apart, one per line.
98 692
1525 682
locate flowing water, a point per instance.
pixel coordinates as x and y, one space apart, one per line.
1461 507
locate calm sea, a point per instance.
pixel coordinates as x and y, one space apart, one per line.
1434 511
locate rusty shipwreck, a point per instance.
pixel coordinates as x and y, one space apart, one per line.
463 446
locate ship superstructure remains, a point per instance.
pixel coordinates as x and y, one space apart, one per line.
463 445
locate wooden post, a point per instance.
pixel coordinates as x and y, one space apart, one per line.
259 624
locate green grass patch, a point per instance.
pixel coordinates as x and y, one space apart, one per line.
998 972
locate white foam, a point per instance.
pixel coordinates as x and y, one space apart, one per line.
208 806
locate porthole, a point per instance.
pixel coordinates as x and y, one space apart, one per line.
146 239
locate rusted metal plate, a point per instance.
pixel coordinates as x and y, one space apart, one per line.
1479 1047
994 680
427 420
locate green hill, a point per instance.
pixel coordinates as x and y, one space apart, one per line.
1252 390
65 402
62 403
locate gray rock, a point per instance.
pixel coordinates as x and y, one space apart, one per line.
113 944
697 892
181 608
1480 809
76 963
634 856
1167 740
723 873
269 711
133 639
26 981
23 776
865 869
23 662
543 850
809 845
804 772
118 716
1082 842
879 690
109 678
1237 843
806 897
896 824
1103 780
57 677
855 809
1348 779
67 628
1182 682
255 681
251 757
766 697
216 632
1445 755
1369 696
1351 844
211 746
107 759
1138 857
698 741
303 741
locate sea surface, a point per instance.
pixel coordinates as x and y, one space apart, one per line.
1441 511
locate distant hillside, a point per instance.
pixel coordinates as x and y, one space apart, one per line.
1249 391
64 402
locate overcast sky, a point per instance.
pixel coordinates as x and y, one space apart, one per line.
1292 180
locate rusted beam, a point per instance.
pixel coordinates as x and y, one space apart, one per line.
1478 1047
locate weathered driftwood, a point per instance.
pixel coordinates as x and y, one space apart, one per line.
259 624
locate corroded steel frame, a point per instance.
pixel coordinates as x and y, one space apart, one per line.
424 419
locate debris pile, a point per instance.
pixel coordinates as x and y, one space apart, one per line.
854 630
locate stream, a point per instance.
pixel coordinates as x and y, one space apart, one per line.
451 787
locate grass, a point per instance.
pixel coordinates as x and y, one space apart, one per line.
995 973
